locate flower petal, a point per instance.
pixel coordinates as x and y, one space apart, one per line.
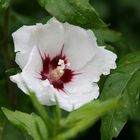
43 90
23 42
78 47
103 61
30 71
30 77
48 38
34 64
77 94
19 81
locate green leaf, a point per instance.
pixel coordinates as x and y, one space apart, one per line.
114 39
43 113
125 82
77 12
31 123
10 130
84 117
4 4
13 70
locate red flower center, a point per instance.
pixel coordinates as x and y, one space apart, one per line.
55 73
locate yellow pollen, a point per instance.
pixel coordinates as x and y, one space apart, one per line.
56 73
59 71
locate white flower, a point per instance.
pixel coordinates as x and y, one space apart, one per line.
60 60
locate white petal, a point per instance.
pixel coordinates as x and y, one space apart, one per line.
42 89
31 72
46 95
78 46
103 61
85 97
77 94
19 81
34 64
31 76
48 38
92 38
23 42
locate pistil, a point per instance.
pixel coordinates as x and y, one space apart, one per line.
59 71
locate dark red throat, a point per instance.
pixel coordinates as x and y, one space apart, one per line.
50 64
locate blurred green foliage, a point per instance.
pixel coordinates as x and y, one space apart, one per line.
120 15
128 87
58 127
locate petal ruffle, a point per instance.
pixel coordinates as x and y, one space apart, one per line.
49 38
78 47
30 77
43 90
77 94
19 81
79 44
103 61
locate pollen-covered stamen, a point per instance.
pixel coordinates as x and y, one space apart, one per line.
56 70
60 69
61 65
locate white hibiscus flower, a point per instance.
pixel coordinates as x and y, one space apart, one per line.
60 60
